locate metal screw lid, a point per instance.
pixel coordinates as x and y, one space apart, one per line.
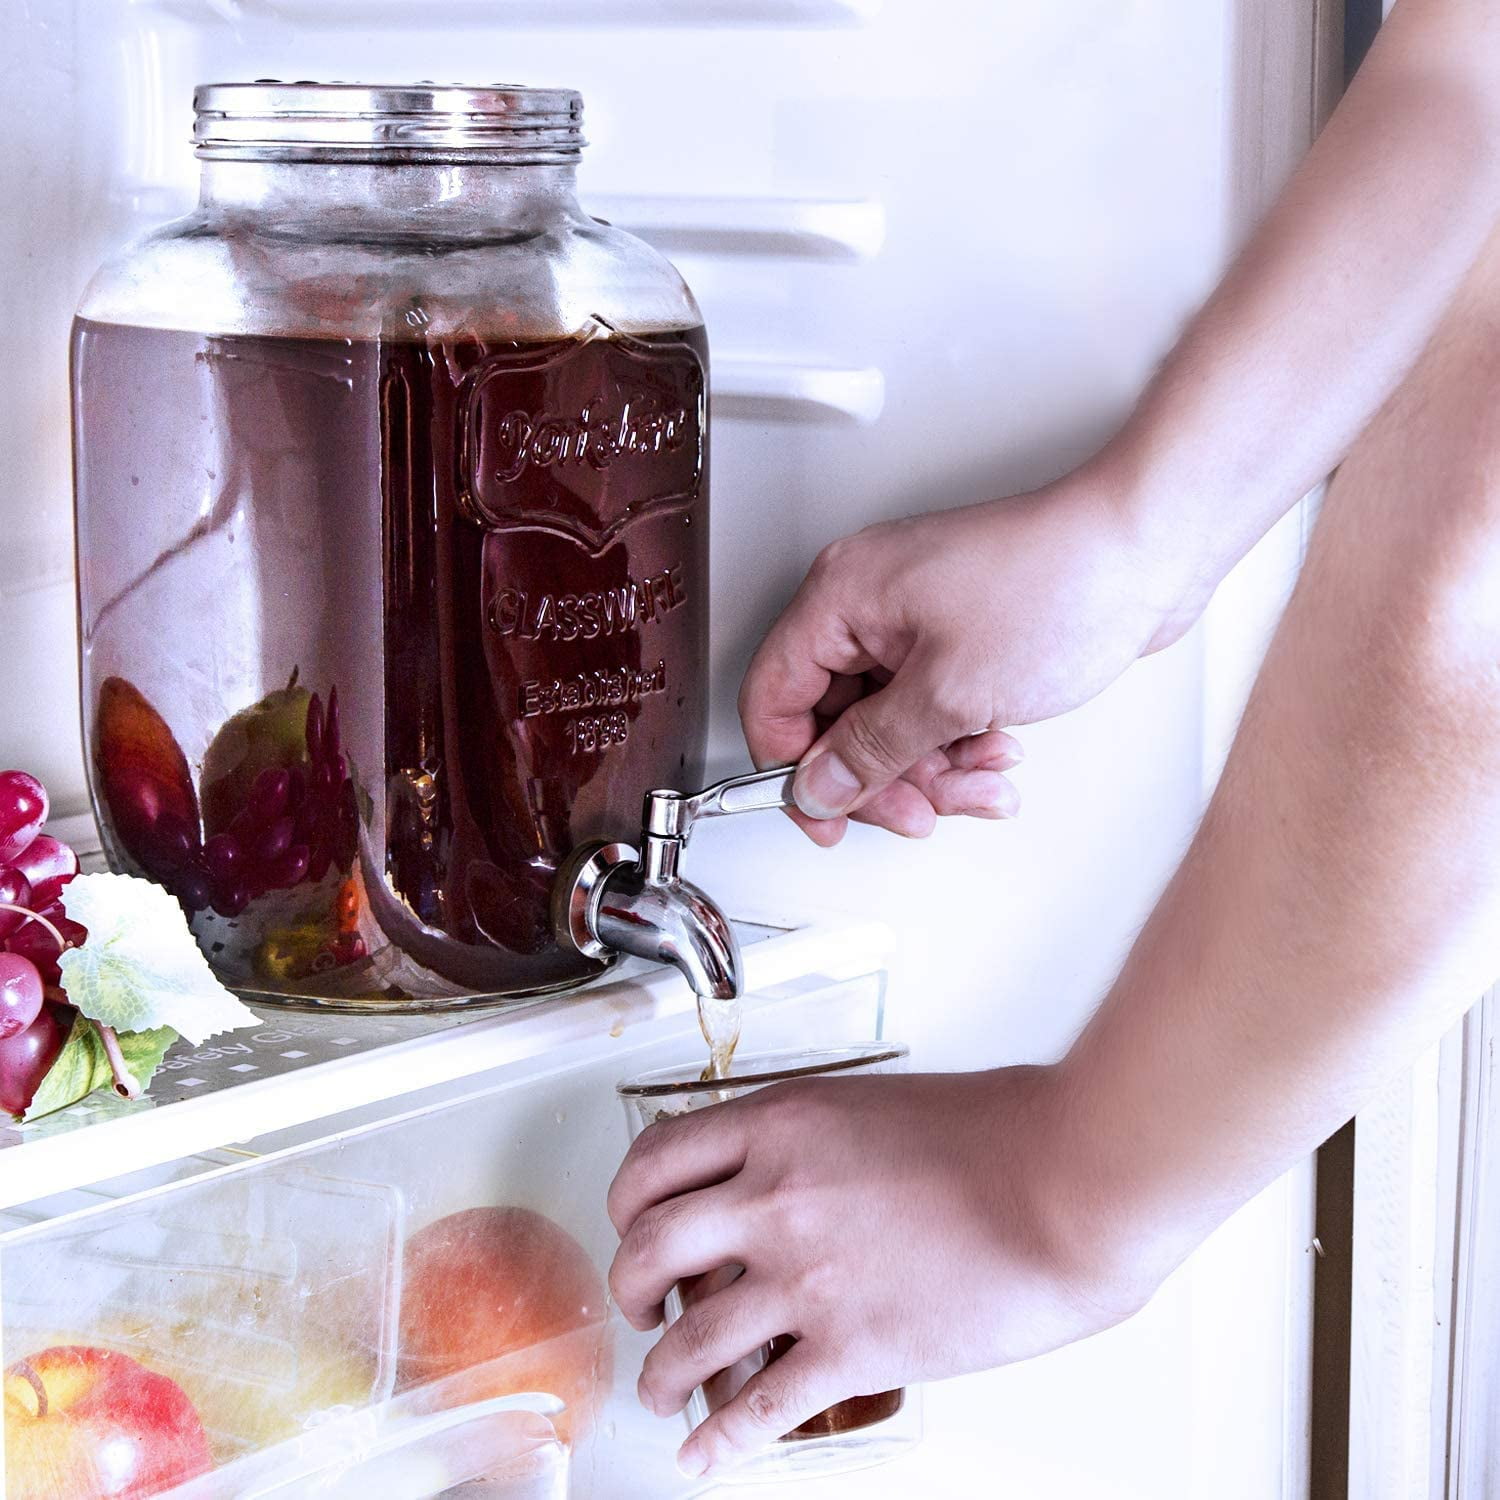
269 120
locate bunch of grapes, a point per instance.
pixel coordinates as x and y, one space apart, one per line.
296 822
34 868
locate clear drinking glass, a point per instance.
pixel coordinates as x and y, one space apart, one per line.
854 1434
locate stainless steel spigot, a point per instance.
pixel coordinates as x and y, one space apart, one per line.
610 898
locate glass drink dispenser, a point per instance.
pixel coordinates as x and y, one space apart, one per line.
392 508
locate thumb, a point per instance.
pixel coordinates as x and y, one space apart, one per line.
870 745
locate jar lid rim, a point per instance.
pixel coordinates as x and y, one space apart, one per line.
409 121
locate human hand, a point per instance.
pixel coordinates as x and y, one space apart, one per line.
900 1228
912 645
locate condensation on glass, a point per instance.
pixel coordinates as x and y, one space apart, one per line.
392 505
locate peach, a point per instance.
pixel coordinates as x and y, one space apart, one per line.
512 1299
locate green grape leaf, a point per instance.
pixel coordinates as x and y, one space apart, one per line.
83 1065
141 967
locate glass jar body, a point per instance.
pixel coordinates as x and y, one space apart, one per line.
392 513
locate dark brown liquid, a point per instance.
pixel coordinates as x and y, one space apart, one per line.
374 633
847 1416
853 1415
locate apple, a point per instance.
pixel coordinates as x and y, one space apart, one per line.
92 1424
270 734
511 1299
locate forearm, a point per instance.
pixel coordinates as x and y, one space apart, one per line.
1332 299
1340 906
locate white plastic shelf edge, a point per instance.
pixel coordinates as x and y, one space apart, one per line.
436 1051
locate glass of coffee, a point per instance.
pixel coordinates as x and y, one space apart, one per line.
858 1432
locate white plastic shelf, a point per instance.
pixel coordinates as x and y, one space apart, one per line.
770 389
532 13
302 1067
815 228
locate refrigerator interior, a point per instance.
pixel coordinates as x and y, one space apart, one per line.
939 248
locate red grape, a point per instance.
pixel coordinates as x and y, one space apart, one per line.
192 888
288 868
36 943
222 857
274 841
314 729
233 898
15 890
20 994
306 821
49 865
269 795
23 810
24 1059
331 725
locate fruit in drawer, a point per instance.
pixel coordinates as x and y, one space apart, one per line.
226 1339
82 1422
512 1299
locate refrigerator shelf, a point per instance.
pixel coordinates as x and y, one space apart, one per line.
301 1067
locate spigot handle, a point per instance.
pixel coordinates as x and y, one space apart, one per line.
759 791
670 815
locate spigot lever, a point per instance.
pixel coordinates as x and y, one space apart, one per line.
609 898
759 791
668 817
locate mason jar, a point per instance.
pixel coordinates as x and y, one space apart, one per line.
392 515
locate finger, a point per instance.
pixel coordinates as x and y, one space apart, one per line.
902 809
825 832
710 1336
795 666
992 750
685 1236
872 743
842 691
991 814
973 793
677 1156
782 1396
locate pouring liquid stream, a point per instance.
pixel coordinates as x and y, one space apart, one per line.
719 1021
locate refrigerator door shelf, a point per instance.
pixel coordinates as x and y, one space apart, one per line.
303 1067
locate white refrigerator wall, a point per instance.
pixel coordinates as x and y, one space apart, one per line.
939 247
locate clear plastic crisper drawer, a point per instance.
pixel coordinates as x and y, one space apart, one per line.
402 1301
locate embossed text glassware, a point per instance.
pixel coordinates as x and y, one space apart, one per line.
392 506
